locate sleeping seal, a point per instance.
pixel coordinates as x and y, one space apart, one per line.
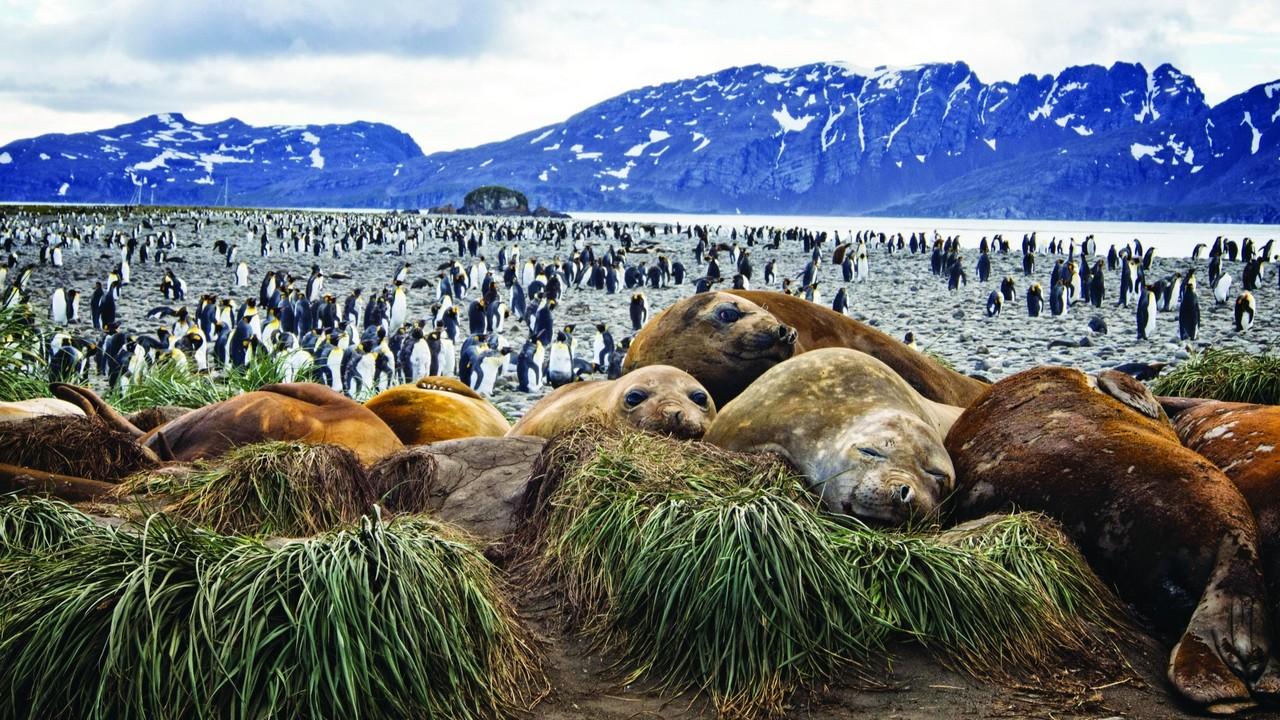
867 442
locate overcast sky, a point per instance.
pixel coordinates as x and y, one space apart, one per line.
457 73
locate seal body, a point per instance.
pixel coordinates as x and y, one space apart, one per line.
818 327
1244 441
867 442
723 340
435 409
728 339
37 407
657 398
1158 521
306 412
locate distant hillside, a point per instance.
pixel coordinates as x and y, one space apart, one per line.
930 140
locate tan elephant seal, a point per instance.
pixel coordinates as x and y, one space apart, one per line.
1156 520
305 412
657 398
722 340
435 409
869 444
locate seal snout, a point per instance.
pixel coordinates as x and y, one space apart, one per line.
786 335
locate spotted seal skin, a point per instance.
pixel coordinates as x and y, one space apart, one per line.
657 398
1160 522
722 340
434 409
867 442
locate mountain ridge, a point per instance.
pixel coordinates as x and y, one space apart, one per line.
1090 142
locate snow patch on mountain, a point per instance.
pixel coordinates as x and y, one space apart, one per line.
789 123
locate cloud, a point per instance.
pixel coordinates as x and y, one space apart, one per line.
457 73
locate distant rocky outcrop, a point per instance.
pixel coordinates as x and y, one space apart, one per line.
495 200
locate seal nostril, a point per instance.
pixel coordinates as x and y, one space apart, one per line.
905 493
847 507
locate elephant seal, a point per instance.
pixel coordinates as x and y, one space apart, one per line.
869 444
1243 440
305 412
1156 520
821 327
657 398
728 339
722 340
37 407
434 409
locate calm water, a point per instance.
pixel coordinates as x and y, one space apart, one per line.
1169 239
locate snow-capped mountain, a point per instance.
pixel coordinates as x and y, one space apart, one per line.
168 159
827 138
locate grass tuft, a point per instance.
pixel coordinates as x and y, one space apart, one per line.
23 371
168 383
72 445
277 488
717 572
382 620
1222 374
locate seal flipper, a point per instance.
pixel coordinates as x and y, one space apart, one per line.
1132 393
94 406
1226 647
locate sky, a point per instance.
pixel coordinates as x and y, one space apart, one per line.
459 73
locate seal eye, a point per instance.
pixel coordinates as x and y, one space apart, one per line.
871 452
635 397
699 398
728 314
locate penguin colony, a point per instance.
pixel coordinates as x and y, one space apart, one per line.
514 306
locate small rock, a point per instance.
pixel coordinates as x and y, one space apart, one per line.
958 315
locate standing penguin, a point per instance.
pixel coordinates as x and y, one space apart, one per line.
1007 289
639 311
1097 286
984 267
560 361
242 274
1189 315
1146 314
1059 298
841 302
529 366
1035 300
1221 289
1246 308
58 306
602 348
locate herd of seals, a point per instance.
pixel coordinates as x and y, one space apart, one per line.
1170 499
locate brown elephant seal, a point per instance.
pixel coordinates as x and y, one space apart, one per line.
1158 521
821 327
868 443
435 409
305 412
728 339
722 340
1243 440
657 398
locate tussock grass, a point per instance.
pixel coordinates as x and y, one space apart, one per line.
24 374
382 620
717 572
169 383
72 445
276 488
1222 374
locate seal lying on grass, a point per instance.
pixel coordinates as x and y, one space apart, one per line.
657 398
868 443
307 412
1160 522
